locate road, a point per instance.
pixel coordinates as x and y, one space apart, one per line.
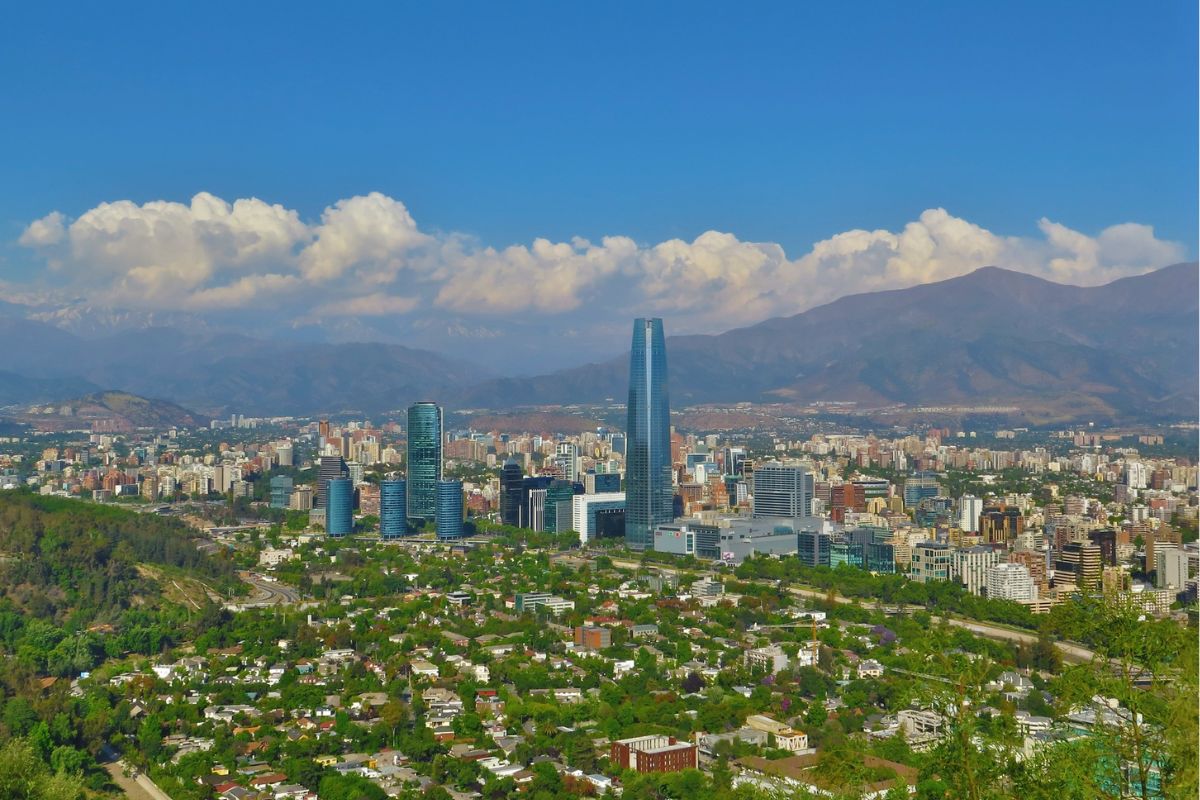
266 593
139 788
1070 650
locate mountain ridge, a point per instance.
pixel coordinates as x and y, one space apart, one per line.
993 336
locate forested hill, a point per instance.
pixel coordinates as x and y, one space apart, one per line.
66 560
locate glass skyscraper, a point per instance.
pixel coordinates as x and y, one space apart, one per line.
449 509
648 500
424 459
512 484
393 513
339 509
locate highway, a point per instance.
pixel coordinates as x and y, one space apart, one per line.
1070 651
266 592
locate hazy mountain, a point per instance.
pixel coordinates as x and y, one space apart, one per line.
993 337
118 410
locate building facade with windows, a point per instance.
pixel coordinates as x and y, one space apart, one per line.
648 496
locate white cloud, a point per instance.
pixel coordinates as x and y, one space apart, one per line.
366 256
44 232
371 305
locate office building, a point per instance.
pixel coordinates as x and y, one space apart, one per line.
512 481
557 516
567 459
596 516
648 497
930 562
782 491
601 482
999 525
393 509
281 491
813 548
920 485
424 459
339 509
1010 581
592 637
1080 562
1106 540
330 468
449 509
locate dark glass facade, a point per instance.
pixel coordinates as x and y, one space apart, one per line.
512 486
331 467
424 459
449 509
339 511
648 498
393 514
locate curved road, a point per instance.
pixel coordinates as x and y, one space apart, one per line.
266 592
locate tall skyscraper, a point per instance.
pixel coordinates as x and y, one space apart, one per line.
393 511
512 484
424 459
331 467
648 448
449 501
339 509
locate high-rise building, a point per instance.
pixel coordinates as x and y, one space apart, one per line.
1082 563
557 517
567 458
393 509
970 566
339 511
919 486
1009 581
999 525
648 498
782 491
449 512
969 509
424 459
332 467
512 483
281 491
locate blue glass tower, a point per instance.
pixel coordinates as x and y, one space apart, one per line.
449 509
339 508
424 459
648 500
393 513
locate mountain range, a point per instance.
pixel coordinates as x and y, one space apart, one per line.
993 337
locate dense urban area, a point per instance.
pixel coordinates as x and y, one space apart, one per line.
294 608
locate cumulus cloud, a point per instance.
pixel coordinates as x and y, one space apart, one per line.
366 256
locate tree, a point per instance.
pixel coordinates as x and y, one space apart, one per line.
23 776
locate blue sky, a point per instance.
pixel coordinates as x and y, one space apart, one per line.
497 124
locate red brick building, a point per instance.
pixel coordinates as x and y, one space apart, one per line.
654 753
